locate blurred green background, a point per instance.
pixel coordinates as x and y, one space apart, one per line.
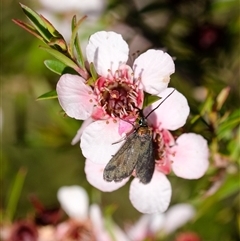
202 35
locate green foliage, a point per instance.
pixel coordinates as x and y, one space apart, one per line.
55 66
14 195
45 31
149 99
49 95
43 145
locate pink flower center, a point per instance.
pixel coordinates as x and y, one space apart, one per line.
163 141
118 95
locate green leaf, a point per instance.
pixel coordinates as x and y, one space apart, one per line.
222 96
51 28
49 95
208 104
229 124
64 59
93 72
15 193
75 40
67 61
229 187
28 28
37 22
58 43
58 67
149 99
55 66
194 119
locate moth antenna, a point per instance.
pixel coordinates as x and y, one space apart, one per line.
159 104
122 139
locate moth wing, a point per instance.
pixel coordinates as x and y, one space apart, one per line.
123 162
146 164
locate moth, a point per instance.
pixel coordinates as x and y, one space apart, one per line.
136 154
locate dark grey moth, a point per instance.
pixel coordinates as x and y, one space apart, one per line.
136 154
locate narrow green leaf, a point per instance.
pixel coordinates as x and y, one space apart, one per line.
208 104
55 66
64 59
15 193
229 124
149 99
28 28
229 187
49 95
90 81
58 44
195 118
79 57
51 28
74 38
37 22
222 96
67 61
93 73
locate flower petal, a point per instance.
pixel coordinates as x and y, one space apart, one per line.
74 96
154 67
74 201
147 225
172 113
125 126
107 51
77 137
94 174
190 160
153 197
177 216
156 222
140 229
98 223
97 141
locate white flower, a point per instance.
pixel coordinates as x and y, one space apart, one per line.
161 223
74 201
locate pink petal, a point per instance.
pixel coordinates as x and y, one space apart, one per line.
177 216
153 197
103 233
191 156
164 165
148 224
157 222
140 229
94 174
75 96
97 141
171 114
154 67
125 127
107 51
77 137
98 223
